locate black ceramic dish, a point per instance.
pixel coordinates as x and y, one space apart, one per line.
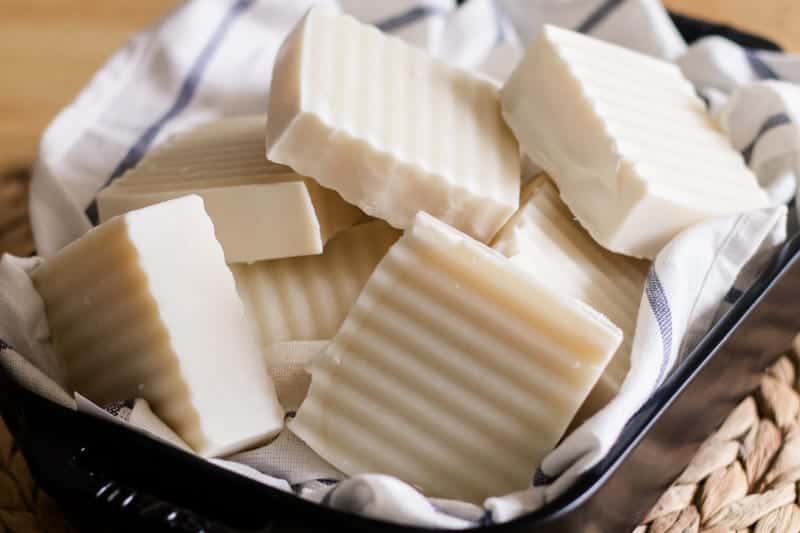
111 478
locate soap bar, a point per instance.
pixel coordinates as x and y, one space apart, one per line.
391 129
626 139
455 370
260 209
144 306
544 238
307 298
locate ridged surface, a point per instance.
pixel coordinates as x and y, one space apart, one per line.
125 326
673 143
398 131
307 298
454 371
228 154
544 238
649 161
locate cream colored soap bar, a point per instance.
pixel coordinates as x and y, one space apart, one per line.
455 370
260 210
544 238
307 298
391 129
144 306
626 139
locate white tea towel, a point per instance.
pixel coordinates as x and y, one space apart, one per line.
762 120
213 58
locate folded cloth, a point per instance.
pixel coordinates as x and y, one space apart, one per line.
213 58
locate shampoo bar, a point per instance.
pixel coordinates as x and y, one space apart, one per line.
455 370
307 298
391 129
144 306
626 139
544 238
260 210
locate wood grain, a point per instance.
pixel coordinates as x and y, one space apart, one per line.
777 19
48 50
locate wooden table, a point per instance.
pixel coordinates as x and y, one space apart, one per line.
48 51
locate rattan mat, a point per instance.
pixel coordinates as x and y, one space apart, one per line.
743 478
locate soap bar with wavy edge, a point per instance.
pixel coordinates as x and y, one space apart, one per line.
390 128
144 306
626 139
455 370
307 298
261 210
544 238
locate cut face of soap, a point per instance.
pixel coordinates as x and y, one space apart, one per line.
455 370
144 306
260 210
544 238
307 298
626 139
391 129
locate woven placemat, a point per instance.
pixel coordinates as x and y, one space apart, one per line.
743 478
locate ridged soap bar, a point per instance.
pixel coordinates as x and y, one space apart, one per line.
626 139
544 238
260 210
307 298
455 370
391 129
144 306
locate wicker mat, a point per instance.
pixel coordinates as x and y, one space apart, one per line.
743 478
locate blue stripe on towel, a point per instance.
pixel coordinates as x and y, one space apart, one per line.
659 304
598 15
778 119
185 94
761 69
409 17
500 19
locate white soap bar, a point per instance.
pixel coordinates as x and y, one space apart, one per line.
391 129
544 238
144 306
626 139
260 210
307 298
455 370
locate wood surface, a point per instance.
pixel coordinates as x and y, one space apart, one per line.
50 48
777 19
